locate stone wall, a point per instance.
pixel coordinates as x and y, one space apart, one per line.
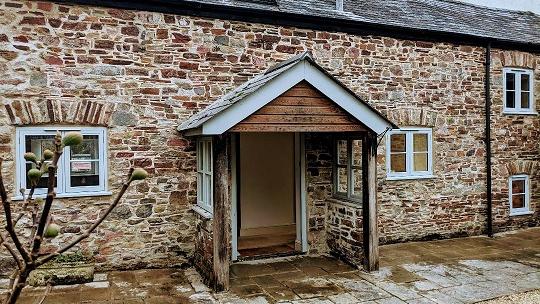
142 73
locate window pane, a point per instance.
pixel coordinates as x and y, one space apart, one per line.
398 163
37 144
357 182
525 103
84 173
207 189
200 155
43 181
518 186
525 81
518 201
397 142
420 161
420 142
342 152
510 81
341 180
208 157
88 149
357 153
510 99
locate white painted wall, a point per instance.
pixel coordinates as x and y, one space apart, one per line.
518 5
266 179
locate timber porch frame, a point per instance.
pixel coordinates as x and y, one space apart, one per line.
295 96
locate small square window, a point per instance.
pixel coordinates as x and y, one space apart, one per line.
518 91
348 169
204 174
518 194
81 169
409 153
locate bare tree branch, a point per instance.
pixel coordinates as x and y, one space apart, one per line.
12 252
87 233
45 294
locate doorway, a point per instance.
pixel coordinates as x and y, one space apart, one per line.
267 217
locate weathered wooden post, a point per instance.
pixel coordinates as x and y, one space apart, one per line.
369 203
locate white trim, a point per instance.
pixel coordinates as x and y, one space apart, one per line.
517 110
303 193
202 188
304 70
410 173
63 187
526 206
234 198
205 214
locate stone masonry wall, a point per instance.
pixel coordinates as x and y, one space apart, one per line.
142 73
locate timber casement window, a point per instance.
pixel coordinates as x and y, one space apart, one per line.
347 168
205 180
518 188
409 153
518 91
82 169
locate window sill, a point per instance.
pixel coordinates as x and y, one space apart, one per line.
521 213
205 214
409 177
67 195
519 113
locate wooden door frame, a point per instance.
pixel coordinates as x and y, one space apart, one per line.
301 243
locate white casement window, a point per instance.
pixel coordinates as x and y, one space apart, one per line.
518 194
205 178
409 153
82 169
518 91
347 168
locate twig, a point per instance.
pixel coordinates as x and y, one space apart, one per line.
12 252
45 294
87 233
9 223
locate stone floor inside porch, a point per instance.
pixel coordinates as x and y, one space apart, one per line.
466 270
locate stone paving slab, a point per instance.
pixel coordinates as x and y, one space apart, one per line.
420 276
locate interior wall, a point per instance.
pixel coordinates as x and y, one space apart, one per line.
266 180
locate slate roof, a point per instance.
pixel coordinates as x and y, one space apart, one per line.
253 85
444 16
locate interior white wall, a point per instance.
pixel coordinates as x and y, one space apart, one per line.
266 179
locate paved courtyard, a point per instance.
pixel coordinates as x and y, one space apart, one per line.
464 270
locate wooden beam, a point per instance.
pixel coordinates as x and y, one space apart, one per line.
222 207
369 203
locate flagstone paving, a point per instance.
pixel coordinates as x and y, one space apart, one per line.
464 270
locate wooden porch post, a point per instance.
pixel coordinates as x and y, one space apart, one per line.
369 203
222 207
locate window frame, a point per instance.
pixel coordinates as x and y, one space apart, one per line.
207 144
349 167
63 175
517 91
409 154
526 206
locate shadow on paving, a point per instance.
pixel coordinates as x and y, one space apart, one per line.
466 270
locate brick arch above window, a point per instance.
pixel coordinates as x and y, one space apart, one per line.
516 59
412 117
528 167
47 111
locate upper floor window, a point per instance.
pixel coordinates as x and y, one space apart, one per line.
348 169
518 91
205 182
82 169
409 153
518 186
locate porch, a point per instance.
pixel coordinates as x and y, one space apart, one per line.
271 155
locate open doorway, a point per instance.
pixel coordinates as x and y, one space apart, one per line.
267 195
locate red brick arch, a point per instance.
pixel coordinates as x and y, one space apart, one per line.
412 117
528 167
48 111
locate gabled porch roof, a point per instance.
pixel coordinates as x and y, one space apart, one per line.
254 94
